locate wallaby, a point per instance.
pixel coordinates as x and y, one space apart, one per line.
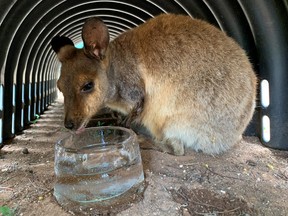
186 81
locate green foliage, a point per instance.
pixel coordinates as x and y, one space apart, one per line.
99 123
36 119
6 211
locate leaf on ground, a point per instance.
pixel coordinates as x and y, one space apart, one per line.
5 211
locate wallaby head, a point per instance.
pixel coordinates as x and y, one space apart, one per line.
83 80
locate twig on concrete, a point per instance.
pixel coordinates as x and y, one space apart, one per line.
217 212
223 176
45 189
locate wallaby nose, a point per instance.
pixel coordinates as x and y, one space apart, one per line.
69 124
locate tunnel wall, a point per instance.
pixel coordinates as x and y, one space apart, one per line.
29 68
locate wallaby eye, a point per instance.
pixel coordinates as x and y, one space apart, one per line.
87 87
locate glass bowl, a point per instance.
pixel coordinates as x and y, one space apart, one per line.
97 165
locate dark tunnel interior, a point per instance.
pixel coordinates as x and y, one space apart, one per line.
29 67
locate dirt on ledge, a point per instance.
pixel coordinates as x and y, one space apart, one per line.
250 179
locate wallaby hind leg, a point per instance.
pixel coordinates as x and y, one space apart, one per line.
172 146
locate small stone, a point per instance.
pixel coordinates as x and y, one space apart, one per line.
185 212
4 170
251 163
25 151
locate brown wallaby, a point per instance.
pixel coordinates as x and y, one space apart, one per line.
186 81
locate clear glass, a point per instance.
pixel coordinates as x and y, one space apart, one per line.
96 165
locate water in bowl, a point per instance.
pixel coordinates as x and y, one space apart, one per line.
99 164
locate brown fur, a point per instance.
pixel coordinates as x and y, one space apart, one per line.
183 79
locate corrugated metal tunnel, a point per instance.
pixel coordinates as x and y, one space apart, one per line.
29 68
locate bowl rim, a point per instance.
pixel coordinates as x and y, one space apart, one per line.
132 135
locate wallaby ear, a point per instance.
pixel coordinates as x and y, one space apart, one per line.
63 46
95 36
59 41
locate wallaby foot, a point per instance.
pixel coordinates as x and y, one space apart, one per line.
171 146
